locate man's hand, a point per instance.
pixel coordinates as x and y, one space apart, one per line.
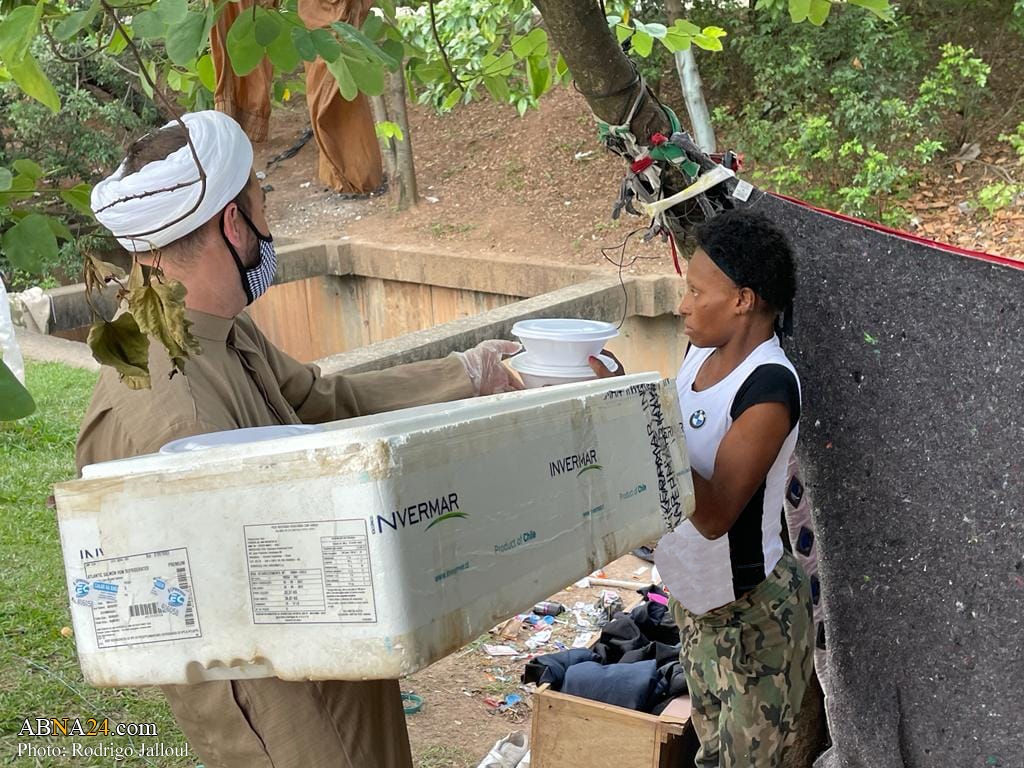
484 367
601 371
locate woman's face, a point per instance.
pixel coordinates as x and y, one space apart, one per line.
710 302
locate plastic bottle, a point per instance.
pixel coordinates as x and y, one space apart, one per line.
548 608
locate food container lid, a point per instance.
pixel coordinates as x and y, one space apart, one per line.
565 329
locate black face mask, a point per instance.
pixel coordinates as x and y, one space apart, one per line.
256 279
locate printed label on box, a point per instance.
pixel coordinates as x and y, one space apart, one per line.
315 572
121 592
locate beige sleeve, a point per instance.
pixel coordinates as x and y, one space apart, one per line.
317 398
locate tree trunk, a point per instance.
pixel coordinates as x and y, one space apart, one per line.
387 145
407 192
693 89
603 73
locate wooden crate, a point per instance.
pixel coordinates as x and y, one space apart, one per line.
571 732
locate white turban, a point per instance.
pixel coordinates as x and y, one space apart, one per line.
225 154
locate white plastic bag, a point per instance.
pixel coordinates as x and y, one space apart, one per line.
9 350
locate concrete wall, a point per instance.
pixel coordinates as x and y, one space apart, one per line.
339 297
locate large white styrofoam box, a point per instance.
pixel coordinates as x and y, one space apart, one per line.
369 549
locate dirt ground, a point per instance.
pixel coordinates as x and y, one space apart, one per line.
540 188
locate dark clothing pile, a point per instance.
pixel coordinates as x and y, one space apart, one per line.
634 664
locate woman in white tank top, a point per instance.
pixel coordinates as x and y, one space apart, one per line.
742 603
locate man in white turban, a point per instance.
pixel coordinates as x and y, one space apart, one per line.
214 238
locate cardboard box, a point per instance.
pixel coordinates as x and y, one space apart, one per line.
368 550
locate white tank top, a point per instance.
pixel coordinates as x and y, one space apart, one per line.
704 574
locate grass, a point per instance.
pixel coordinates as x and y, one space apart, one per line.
39 673
436 756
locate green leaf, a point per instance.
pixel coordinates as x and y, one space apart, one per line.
171 12
643 44
59 228
15 401
150 69
881 8
501 66
121 345
283 53
561 68
451 100
657 31
304 44
206 72
818 12
346 83
17 31
369 76
373 26
497 87
395 50
678 41
534 43
29 169
30 243
431 71
245 53
118 43
352 35
78 198
185 40
75 22
31 79
707 43
149 26
159 311
5 179
799 9
622 31
385 129
538 75
326 45
268 27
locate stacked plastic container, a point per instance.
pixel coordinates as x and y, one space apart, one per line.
557 350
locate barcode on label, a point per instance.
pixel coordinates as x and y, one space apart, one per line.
190 618
143 609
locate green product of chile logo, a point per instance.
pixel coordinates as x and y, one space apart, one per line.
588 468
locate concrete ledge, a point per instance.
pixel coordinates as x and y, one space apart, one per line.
599 299
51 349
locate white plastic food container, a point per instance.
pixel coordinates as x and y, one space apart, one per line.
368 549
536 374
564 342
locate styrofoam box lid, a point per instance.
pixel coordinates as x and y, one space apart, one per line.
235 436
524 364
565 329
373 427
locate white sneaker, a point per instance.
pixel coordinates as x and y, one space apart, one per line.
525 762
507 752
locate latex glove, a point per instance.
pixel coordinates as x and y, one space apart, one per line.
483 364
599 368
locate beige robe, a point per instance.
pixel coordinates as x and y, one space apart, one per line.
242 380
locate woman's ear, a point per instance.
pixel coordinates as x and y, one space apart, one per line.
746 301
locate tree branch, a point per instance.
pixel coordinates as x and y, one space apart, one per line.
440 46
188 138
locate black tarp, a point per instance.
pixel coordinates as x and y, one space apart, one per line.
911 357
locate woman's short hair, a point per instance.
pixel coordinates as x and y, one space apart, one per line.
753 252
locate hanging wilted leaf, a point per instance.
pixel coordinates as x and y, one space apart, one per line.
159 309
121 345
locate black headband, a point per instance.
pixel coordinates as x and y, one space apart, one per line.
783 323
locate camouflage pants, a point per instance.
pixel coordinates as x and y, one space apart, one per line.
747 665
